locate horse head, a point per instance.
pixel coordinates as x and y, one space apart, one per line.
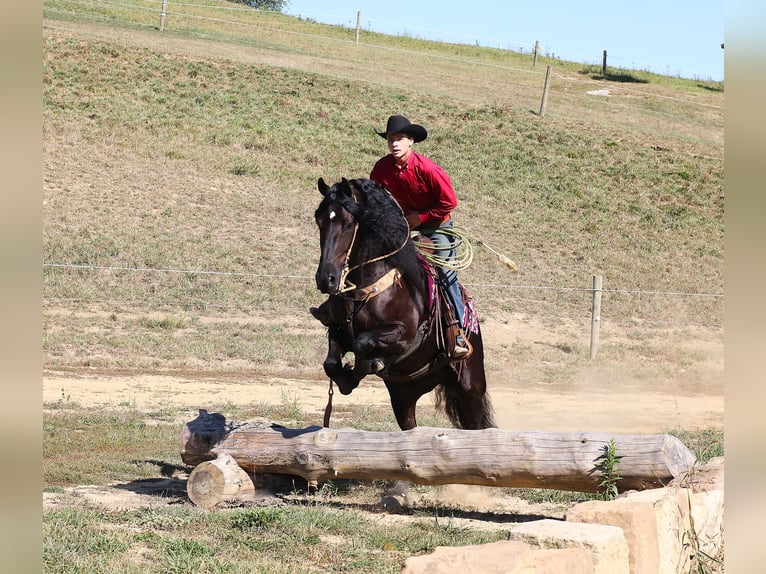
337 224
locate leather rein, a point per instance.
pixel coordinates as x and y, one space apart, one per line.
378 286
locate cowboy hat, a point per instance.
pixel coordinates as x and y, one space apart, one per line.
401 125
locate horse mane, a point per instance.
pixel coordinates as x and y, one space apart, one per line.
382 224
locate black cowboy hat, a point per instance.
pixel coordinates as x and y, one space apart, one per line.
401 125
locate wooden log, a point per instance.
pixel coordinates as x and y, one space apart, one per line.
215 481
426 455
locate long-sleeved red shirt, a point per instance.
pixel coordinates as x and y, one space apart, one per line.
420 186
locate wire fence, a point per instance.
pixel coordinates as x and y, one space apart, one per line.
167 9
506 83
302 293
350 20
189 10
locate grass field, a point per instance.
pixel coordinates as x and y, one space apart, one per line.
172 158
180 184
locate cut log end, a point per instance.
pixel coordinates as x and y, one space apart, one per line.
219 480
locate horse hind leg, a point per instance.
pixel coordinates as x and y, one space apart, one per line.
398 496
465 410
404 398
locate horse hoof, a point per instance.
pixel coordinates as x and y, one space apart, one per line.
391 503
346 388
376 365
398 497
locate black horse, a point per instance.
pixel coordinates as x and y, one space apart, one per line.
383 307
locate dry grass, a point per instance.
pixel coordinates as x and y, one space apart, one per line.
198 150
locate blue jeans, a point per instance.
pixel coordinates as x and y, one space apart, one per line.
447 277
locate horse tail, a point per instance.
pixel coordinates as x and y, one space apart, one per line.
465 411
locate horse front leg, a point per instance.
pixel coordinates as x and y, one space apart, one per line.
372 348
342 375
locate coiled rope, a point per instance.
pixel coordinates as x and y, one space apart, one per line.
460 241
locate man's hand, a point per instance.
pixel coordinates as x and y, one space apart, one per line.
413 219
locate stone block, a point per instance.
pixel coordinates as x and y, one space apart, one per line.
707 504
606 543
504 557
557 561
707 520
671 507
637 523
656 524
703 478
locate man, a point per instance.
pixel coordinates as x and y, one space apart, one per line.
424 192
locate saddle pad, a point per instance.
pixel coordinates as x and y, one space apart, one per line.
471 318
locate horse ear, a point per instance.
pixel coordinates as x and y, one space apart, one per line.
322 186
345 186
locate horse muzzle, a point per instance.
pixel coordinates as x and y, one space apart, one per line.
328 279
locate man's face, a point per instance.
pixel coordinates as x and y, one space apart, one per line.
400 145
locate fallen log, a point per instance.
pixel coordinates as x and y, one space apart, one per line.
427 455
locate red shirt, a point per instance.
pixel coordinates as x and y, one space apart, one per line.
420 186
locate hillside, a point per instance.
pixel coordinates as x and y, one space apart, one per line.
191 155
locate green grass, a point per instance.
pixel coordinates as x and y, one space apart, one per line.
75 442
334 527
249 540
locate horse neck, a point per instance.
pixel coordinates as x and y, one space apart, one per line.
371 257
367 268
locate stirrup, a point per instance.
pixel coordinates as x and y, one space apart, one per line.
460 352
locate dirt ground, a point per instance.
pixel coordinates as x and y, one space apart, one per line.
590 407
533 382
629 397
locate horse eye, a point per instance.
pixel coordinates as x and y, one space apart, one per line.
332 215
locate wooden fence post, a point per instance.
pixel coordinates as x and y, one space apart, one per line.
603 65
358 21
544 102
537 49
595 314
163 13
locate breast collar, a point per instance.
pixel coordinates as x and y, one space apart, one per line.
364 294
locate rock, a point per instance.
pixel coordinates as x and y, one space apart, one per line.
606 544
504 557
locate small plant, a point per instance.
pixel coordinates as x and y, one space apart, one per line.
607 464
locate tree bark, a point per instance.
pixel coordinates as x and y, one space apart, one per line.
426 455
